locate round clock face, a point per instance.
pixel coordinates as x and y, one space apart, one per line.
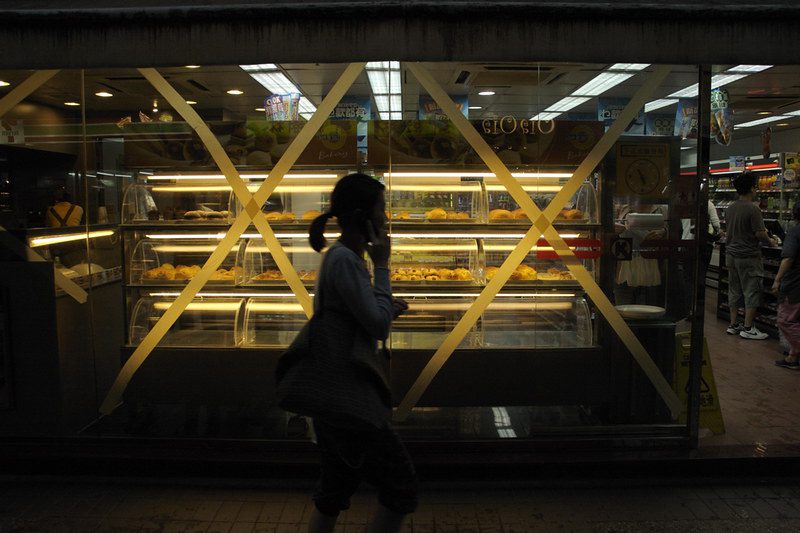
642 176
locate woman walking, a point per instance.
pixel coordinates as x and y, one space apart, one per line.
353 451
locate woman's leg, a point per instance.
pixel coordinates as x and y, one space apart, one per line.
386 521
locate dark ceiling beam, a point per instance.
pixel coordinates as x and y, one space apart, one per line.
280 32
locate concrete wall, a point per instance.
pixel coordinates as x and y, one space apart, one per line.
149 34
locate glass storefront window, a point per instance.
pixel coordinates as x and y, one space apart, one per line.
581 337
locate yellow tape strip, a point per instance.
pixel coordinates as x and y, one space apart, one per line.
543 224
253 209
154 336
24 89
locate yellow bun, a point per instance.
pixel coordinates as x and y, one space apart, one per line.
288 216
311 214
519 214
499 214
490 272
273 215
436 214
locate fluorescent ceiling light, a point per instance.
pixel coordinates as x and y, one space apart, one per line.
601 83
235 92
192 66
72 104
475 107
269 76
386 84
104 94
792 113
545 116
191 102
629 67
718 80
687 147
749 68
4 83
782 124
487 93
759 121
567 103
658 104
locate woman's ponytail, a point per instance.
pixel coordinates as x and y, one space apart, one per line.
316 233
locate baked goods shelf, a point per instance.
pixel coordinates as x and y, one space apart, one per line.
398 288
457 228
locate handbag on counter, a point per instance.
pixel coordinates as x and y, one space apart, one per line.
332 371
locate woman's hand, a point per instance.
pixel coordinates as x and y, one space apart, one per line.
379 247
399 306
775 287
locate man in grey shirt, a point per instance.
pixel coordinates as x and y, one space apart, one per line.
745 235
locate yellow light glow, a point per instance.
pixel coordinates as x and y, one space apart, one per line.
503 306
471 235
275 307
178 248
433 248
202 306
462 295
201 188
475 174
467 186
527 188
288 249
509 247
244 176
220 236
55 239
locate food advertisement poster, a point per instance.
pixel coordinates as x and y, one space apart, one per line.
686 119
257 143
721 117
282 106
609 109
660 125
736 162
515 141
430 110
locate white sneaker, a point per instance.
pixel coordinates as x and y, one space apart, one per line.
753 334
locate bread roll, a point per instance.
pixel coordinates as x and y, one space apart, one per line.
499 214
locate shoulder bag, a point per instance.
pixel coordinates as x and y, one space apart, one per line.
332 371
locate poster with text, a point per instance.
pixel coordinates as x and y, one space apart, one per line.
686 119
660 125
609 109
430 110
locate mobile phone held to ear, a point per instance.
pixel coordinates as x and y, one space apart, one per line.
370 233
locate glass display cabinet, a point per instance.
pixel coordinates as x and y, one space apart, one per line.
177 199
272 322
542 187
435 196
538 320
418 259
206 322
163 259
298 199
259 267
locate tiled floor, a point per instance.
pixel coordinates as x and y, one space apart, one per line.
59 505
759 400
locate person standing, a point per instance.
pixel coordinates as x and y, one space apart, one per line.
349 452
745 235
787 288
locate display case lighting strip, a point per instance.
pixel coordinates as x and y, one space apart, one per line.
178 248
56 239
186 177
472 235
203 306
397 294
475 174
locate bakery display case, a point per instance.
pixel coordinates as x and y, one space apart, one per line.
438 197
272 322
259 268
421 260
541 266
542 187
160 259
177 199
429 319
538 320
206 322
298 199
